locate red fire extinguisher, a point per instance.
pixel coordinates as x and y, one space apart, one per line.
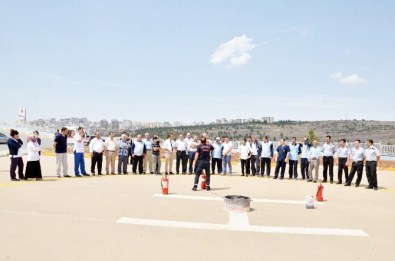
164 183
203 184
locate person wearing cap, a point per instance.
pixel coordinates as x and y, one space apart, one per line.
202 156
372 156
15 148
33 168
357 158
192 147
217 156
343 156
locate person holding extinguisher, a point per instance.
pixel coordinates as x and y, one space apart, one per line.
202 157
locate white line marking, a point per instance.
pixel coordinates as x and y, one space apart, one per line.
239 219
243 228
257 200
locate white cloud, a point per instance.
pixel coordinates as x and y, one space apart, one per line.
352 79
235 52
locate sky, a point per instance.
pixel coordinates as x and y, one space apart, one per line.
197 60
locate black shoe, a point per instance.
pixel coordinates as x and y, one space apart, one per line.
347 184
324 181
151 173
242 175
368 187
275 177
166 173
309 180
376 188
281 177
331 181
314 181
119 173
67 176
194 188
14 179
125 173
339 182
356 185
86 174
100 174
171 173
78 176
207 188
303 178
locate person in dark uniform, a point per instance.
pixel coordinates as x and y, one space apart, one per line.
202 157
282 158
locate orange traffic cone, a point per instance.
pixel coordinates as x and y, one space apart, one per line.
319 196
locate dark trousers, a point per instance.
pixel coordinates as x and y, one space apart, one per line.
97 158
355 167
268 163
280 165
191 157
33 170
245 165
371 173
123 164
138 161
16 162
257 164
293 169
342 166
181 157
327 163
253 162
79 163
304 167
202 165
218 162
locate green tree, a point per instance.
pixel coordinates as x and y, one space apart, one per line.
311 135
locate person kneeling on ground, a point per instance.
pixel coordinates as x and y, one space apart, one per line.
202 156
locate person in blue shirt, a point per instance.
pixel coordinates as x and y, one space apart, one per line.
202 157
282 158
295 150
217 155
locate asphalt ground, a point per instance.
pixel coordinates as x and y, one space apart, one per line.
78 219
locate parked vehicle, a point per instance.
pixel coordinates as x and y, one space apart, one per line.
3 138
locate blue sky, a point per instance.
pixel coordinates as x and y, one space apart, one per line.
197 60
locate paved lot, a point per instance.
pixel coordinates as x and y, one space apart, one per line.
76 219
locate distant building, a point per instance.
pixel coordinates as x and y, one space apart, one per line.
114 125
103 124
267 119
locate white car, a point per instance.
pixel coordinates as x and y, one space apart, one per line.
3 138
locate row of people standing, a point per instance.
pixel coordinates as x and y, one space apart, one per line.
33 168
312 154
